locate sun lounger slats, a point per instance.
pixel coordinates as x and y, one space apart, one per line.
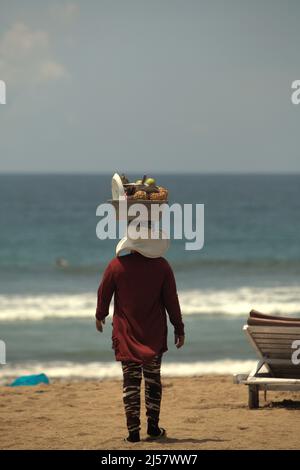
281 341
287 375
276 330
261 379
291 372
270 347
284 354
277 336
274 346
263 346
273 342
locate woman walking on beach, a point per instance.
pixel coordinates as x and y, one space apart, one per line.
144 288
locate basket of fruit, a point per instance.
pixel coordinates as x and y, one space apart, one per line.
144 191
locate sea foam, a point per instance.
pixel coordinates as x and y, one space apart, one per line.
274 300
106 370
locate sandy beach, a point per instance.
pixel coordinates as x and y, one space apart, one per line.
207 412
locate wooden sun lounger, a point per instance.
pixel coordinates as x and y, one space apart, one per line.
273 345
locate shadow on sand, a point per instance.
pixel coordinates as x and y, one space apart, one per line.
173 440
290 404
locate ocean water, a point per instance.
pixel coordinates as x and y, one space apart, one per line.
250 259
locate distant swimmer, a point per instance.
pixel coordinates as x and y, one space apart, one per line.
61 263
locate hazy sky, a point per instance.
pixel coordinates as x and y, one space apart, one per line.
156 85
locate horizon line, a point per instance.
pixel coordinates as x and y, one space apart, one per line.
163 172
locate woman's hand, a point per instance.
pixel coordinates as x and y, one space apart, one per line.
99 324
179 341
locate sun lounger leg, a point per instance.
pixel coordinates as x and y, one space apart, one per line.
253 396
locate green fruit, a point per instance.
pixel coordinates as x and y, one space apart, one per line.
150 181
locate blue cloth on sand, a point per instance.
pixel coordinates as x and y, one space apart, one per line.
30 380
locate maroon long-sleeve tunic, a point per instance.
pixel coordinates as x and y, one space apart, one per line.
144 289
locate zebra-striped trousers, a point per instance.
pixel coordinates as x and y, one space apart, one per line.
132 376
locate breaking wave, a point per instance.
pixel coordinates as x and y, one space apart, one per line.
235 302
107 370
